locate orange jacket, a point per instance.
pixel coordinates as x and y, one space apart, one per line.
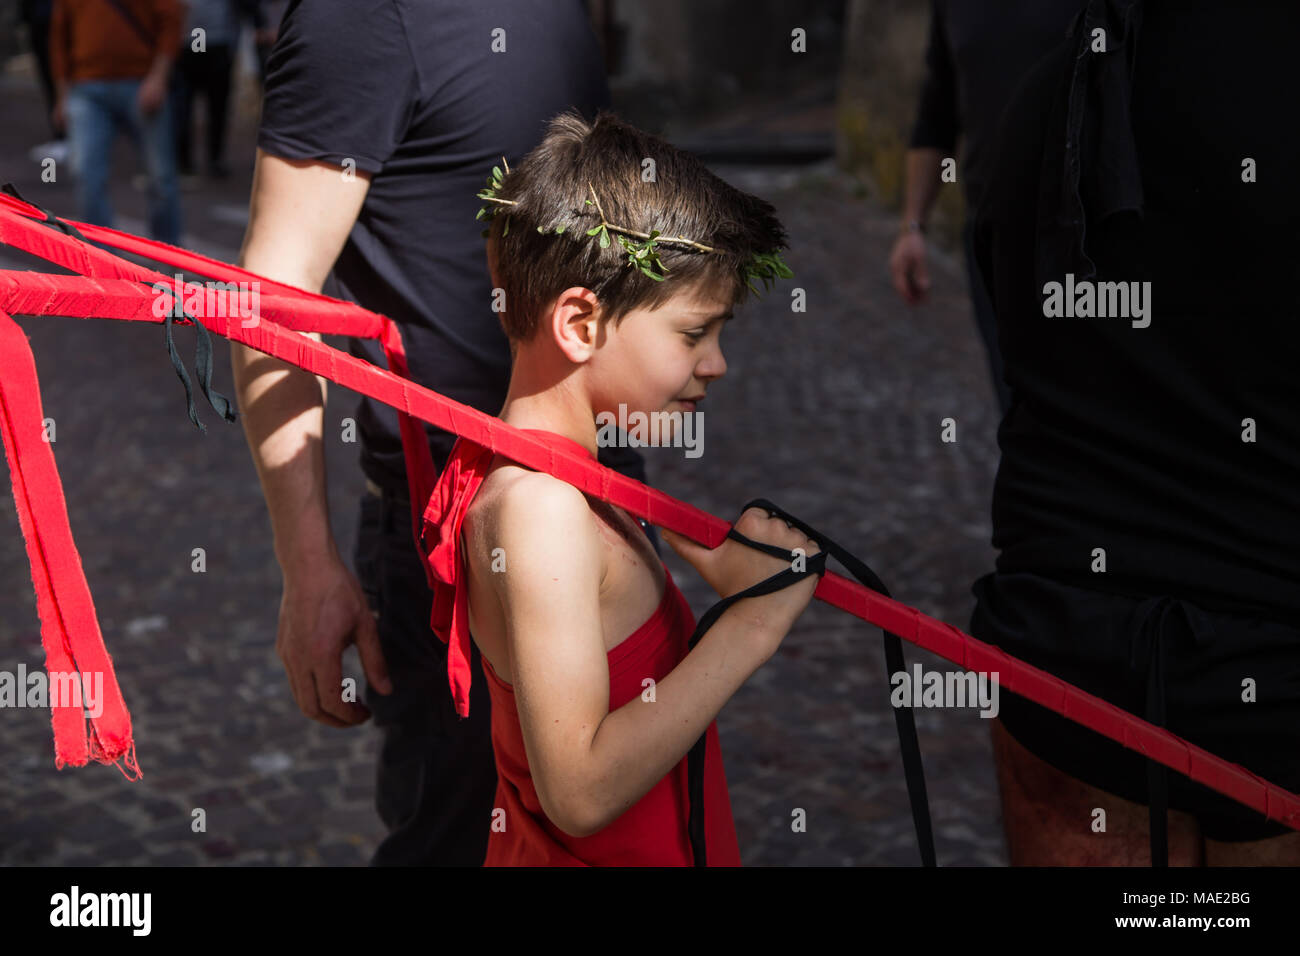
90 40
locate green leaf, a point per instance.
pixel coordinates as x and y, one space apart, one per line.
604 238
594 229
496 172
559 230
506 231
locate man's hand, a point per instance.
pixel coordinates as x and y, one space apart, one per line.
907 262
908 267
321 613
152 92
300 214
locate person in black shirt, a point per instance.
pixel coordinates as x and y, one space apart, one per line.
976 55
380 123
1144 505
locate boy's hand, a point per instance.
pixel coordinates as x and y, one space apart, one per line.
732 567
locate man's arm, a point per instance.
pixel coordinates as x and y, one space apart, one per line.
168 23
589 764
300 214
924 165
934 136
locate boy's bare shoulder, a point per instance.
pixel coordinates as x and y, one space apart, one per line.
538 520
511 492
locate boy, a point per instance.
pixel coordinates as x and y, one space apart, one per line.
582 631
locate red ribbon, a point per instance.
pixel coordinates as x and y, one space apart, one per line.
110 287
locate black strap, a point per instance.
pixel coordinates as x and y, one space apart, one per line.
136 25
1147 652
908 745
1157 775
50 219
203 349
202 368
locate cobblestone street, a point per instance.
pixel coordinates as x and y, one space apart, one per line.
834 414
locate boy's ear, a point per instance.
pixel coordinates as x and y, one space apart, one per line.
575 323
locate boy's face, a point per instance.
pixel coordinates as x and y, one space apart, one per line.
658 360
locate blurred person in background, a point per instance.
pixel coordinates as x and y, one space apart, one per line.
264 37
204 70
978 53
36 15
111 63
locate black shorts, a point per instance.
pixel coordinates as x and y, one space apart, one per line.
1096 640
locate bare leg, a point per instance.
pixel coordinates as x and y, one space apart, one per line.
1276 851
1048 817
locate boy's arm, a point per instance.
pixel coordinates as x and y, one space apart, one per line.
590 765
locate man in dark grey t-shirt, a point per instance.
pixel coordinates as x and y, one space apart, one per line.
380 124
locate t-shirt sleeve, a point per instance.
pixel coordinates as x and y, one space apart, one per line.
937 123
341 84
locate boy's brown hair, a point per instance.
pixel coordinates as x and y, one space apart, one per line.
550 189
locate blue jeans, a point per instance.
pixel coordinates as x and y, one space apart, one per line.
96 110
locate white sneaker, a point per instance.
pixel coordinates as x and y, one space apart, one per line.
56 149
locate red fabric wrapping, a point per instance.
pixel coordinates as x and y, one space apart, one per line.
69 627
269 336
466 468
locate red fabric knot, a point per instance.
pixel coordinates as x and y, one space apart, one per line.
466 468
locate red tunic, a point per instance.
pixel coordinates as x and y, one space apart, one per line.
653 831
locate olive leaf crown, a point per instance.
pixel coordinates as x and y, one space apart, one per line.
643 254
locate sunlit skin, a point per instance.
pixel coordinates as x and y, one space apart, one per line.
1048 817
558 579
578 364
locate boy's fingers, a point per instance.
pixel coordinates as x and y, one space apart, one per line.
684 546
